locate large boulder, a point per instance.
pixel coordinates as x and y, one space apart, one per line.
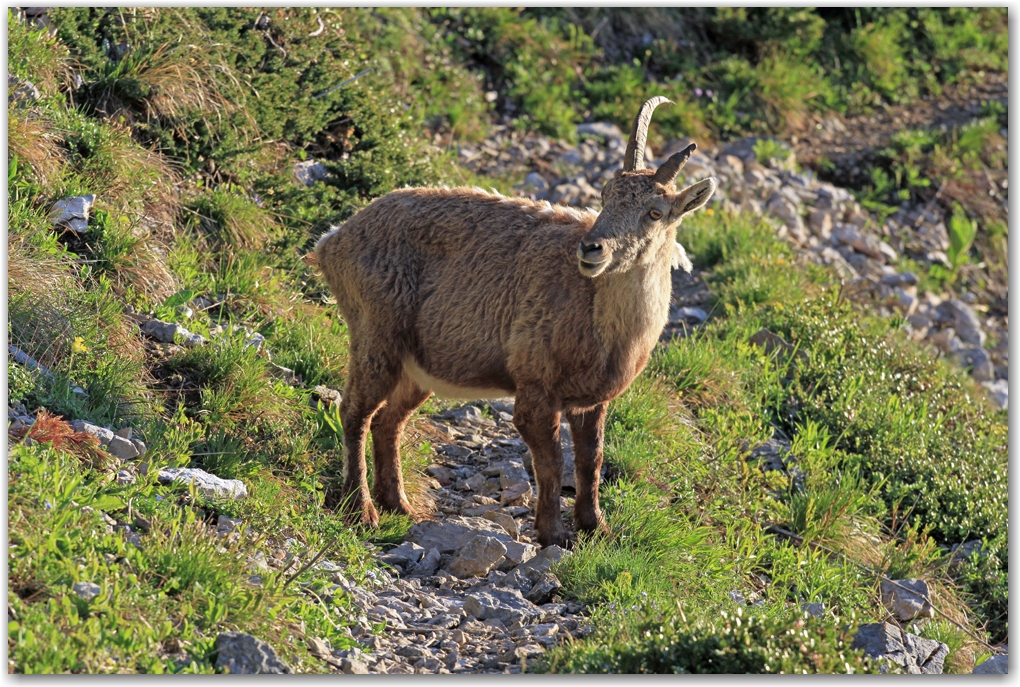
506 605
886 642
453 534
237 653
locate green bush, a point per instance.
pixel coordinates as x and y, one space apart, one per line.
726 644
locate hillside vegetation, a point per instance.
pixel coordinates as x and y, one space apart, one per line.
187 126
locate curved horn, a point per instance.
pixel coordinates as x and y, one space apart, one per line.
671 167
635 156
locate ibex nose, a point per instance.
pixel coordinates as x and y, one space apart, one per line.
590 252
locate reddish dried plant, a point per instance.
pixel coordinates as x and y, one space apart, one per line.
51 429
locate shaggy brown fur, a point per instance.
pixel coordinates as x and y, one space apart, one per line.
476 295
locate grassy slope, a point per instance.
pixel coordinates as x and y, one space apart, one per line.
687 508
876 426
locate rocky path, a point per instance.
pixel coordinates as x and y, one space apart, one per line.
468 591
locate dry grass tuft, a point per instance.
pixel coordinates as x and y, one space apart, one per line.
175 84
29 271
34 140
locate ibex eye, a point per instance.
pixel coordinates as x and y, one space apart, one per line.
655 214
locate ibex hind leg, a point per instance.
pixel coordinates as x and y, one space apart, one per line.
373 376
387 428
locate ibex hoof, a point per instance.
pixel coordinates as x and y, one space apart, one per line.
591 525
369 516
559 538
400 507
360 511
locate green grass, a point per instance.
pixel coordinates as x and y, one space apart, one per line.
174 593
873 423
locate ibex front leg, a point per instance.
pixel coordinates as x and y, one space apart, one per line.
537 418
586 430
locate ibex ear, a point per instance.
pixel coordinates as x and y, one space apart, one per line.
694 196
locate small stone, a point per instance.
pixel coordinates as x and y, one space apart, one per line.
605 130
504 520
906 599
86 590
473 483
504 605
517 553
979 362
241 653
734 163
122 448
105 436
451 534
443 475
513 473
72 213
816 610
901 279
330 396
308 172
996 665
21 92
820 224
536 183
353 666
521 653
904 300
168 332
226 525
686 315
517 495
406 555
428 564
208 485
124 478
850 235
478 557
542 561
542 591
999 392
258 563
963 319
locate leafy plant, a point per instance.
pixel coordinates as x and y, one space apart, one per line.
766 149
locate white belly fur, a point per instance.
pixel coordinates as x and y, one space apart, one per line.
447 390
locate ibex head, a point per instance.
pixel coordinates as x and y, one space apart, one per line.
640 208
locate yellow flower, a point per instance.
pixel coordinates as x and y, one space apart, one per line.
709 211
78 346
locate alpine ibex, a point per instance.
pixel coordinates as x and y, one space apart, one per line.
476 295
